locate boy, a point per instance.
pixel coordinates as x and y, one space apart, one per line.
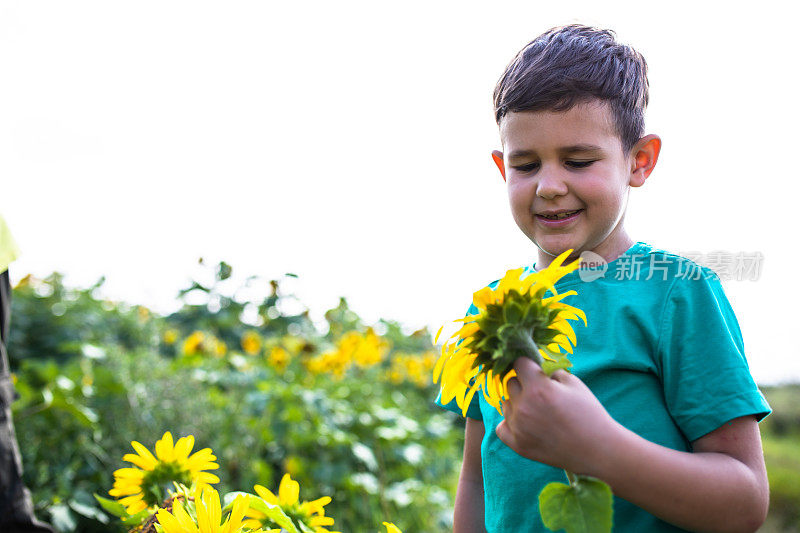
660 403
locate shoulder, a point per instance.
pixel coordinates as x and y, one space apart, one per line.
654 261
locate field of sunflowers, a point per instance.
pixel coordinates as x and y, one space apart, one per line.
236 412
337 427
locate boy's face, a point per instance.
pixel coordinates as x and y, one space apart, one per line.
568 161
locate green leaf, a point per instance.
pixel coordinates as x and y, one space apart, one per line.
88 511
136 519
62 518
583 507
273 512
513 313
560 363
506 332
113 507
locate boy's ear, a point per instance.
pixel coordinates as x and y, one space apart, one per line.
645 155
497 155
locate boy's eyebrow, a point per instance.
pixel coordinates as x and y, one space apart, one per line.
575 148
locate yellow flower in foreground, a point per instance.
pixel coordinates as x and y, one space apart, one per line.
312 513
514 320
145 486
208 512
391 528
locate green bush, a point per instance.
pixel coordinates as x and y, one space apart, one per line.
94 375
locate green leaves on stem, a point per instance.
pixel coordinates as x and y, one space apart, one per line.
583 506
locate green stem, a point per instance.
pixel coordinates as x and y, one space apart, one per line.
524 340
571 477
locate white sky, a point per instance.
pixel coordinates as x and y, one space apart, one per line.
349 142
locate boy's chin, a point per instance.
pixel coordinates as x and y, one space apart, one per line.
556 247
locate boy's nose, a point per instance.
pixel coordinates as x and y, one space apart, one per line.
550 185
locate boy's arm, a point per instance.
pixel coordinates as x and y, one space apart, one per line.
721 486
468 513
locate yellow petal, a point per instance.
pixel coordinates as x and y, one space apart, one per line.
137 506
436 338
125 490
468 329
266 495
321 521
468 397
570 309
289 490
183 447
482 298
169 522
558 298
129 473
240 505
141 462
511 373
143 452
183 517
164 447
317 506
208 510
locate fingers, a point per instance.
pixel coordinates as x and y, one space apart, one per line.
514 387
564 377
528 372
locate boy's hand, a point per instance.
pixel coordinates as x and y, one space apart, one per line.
556 421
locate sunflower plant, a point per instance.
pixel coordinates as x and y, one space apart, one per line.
294 515
144 487
202 513
514 320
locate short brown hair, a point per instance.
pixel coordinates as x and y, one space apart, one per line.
573 64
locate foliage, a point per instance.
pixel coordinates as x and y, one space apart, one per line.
780 433
94 375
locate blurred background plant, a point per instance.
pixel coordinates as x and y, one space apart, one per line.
345 408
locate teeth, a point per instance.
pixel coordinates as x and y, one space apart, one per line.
561 215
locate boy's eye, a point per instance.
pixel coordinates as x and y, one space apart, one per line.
570 163
527 168
579 164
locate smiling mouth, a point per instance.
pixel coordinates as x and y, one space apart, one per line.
560 216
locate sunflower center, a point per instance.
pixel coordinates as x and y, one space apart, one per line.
158 481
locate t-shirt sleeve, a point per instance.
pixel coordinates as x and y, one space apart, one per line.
706 378
474 409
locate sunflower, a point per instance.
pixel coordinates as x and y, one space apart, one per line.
143 487
207 515
251 342
279 358
391 528
514 320
311 514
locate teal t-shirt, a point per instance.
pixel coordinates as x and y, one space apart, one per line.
664 355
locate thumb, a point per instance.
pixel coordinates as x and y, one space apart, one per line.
528 371
566 378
